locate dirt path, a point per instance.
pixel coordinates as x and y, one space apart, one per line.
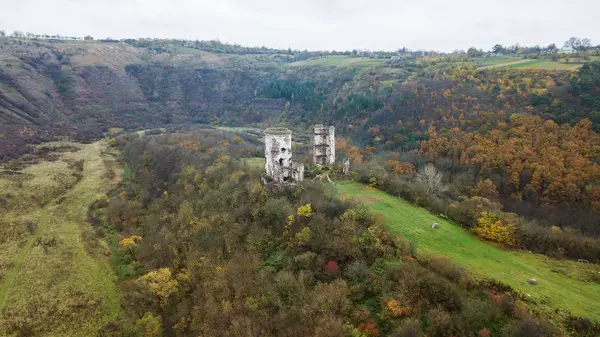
62 282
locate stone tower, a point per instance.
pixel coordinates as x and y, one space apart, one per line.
324 145
346 168
278 156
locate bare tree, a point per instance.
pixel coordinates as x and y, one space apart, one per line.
585 44
2 33
431 179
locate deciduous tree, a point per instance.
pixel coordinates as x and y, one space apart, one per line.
431 179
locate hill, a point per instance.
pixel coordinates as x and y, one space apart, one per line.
562 284
80 89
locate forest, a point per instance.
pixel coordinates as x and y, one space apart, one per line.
202 247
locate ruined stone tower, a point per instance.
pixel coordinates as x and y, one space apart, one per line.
324 145
278 156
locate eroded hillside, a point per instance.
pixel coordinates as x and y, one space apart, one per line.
79 89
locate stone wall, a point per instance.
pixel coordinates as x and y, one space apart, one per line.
278 153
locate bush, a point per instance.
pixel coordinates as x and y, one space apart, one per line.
445 267
496 227
408 329
438 292
149 326
467 212
525 328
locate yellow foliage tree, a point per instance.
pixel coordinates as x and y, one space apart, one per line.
303 237
130 242
161 283
396 309
493 227
305 211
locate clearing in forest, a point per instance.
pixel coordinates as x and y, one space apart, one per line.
55 275
561 284
535 64
340 61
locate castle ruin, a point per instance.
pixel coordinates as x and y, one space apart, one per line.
324 145
278 156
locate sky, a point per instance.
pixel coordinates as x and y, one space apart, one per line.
316 24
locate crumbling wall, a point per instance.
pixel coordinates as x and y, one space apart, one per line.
297 171
278 153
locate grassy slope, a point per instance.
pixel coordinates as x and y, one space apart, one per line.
339 61
515 63
490 61
555 288
65 280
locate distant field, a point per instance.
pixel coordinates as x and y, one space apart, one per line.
489 61
55 275
549 65
561 283
339 61
514 63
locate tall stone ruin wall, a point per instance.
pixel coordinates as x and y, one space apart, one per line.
324 145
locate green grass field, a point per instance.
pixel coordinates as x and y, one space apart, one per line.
340 61
515 63
59 281
489 61
560 284
544 64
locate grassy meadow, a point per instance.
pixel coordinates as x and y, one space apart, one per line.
517 63
340 61
491 61
55 276
561 284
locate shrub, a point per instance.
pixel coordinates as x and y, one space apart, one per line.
305 211
583 327
495 227
468 211
438 292
408 329
442 324
525 328
445 267
149 326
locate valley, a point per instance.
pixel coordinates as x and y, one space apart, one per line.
134 202
56 275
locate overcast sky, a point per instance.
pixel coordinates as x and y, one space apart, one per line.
316 24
